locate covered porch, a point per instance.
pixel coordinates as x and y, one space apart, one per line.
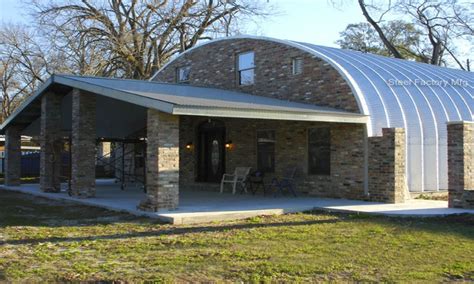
186 130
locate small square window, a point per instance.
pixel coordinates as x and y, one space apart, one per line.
182 74
246 68
297 65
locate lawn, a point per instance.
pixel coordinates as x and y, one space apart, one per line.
42 240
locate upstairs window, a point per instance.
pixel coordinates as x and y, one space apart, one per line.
246 68
182 74
266 151
297 65
319 151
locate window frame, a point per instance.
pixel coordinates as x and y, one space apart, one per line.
239 76
294 65
274 149
178 73
326 172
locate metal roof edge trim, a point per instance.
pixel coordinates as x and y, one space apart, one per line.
271 114
459 122
93 88
27 102
117 94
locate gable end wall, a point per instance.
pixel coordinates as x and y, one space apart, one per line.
214 65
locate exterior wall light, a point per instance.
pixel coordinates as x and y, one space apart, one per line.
229 145
189 146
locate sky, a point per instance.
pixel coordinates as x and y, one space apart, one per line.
313 21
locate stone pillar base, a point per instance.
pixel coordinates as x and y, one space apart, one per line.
147 205
162 163
460 160
13 156
387 179
83 150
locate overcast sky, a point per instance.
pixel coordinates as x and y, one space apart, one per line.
314 21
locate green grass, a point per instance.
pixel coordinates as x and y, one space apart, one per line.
42 240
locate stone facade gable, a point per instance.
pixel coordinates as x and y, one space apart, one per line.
214 65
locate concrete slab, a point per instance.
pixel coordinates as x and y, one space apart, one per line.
202 206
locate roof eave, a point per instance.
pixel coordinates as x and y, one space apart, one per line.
26 103
117 94
337 117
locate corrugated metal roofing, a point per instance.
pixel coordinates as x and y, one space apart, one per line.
186 95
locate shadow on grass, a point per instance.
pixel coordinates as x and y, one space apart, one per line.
168 232
19 209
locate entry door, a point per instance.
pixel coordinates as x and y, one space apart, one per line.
211 164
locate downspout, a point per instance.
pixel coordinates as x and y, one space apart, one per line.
366 162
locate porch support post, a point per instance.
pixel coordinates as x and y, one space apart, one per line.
162 163
387 162
83 150
460 164
50 142
12 156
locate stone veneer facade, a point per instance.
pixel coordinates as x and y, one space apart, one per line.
460 164
162 162
13 156
387 172
214 65
51 142
83 150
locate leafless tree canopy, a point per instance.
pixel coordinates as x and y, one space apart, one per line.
113 38
23 65
437 25
134 38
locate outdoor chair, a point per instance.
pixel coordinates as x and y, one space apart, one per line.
256 180
240 176
284 182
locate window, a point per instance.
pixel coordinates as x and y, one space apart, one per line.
319 151
266 151
246 68
182 74
297 65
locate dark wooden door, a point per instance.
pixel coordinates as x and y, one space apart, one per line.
211 151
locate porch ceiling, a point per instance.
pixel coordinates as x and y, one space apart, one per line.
181 99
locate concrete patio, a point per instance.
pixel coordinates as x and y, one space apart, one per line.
206 206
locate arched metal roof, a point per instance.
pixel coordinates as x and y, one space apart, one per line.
399 93
418 97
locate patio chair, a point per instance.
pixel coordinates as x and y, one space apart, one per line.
240 176
256 180
284 182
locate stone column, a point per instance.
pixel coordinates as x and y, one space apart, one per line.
12 156
162 162
460 164
387 160
83 154
50 142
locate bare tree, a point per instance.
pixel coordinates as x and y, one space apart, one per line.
441 24
23 65
135 38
